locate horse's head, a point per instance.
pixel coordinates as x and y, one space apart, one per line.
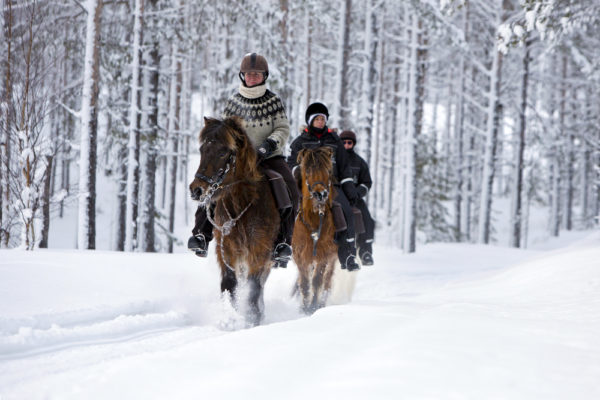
317 171
226 156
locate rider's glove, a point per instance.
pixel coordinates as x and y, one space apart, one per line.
350 192
266 148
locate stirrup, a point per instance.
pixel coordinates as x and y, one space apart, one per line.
351 264
280 264
282 252
366 258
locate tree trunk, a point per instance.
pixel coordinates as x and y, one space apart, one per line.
369 84
343 107
135 117
459 136
174 124
518 180
567 133
5 150
415 125
86 238
149 196
43 244
493 120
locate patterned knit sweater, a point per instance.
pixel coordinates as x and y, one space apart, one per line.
263 114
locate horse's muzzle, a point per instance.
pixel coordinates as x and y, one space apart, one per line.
196 193
321 195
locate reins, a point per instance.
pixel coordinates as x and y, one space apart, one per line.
316 234
216 184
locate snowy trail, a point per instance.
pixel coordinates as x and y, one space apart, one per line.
453 321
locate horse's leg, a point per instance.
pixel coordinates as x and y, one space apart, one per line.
304 287
229 283
327 277
317 284
256 303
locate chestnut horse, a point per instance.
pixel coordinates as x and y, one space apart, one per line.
245 217
314 250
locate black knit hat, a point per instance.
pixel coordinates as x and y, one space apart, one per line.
348 135
314 109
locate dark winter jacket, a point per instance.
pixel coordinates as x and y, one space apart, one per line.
341 166
360 173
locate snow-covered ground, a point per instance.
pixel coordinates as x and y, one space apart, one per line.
452 321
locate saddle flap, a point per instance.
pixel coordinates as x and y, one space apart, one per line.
338 217
359 226
279 189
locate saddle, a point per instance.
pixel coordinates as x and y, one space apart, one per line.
279 189
339 220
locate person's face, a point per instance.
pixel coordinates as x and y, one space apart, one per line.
348 144
253 78
319 122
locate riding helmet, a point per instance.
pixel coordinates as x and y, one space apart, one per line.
254 62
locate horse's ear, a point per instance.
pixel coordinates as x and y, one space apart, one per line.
237 125
328 150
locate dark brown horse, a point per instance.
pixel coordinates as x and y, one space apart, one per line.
314 250
245 217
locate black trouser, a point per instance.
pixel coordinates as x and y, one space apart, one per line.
288 216
345 239
365 239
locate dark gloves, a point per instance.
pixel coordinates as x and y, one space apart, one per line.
266 148
350 192
362 190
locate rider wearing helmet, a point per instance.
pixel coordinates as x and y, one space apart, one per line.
268 129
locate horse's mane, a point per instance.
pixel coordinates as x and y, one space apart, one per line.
316 160
231 132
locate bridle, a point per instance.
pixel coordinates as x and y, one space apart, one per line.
215 184
322 201
216 181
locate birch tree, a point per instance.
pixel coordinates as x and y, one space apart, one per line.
86 236
135 117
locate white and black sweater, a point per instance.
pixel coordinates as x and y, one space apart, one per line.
263 114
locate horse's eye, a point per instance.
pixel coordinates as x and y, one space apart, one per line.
222 154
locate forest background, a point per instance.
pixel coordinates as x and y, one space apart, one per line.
457 105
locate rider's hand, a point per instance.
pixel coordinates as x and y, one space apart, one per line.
266 148
362 190
350 192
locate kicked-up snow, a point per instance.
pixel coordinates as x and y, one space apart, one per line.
452 321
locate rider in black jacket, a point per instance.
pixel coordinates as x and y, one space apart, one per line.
362 181
317 134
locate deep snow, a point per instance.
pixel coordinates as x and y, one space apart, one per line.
451 321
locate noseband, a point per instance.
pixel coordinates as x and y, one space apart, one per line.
316 234
313 192
216 180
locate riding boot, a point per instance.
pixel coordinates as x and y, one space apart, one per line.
366 253
347 256
282 250
202 233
